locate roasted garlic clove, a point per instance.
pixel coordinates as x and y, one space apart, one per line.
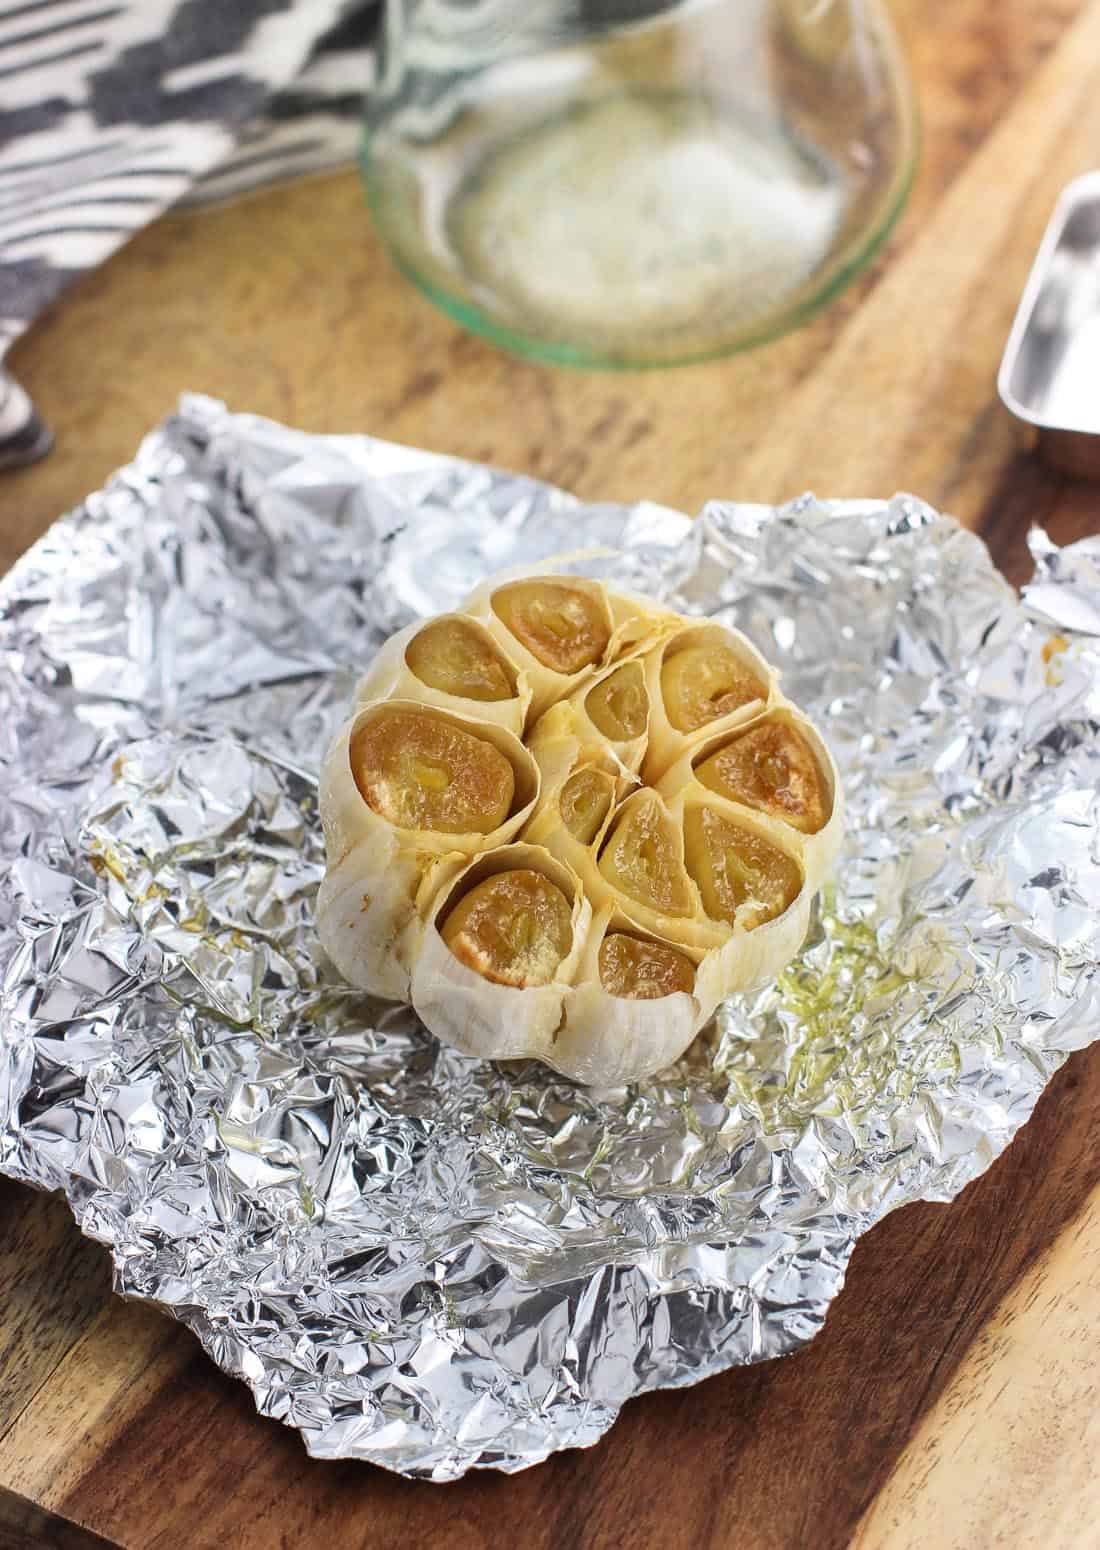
701 683
777 768
453 664
513 928
556 630
457 657
742 877
496 958
612 1034
771 767
640 858
420 771
358 797
561 624
640 969
704 680
618 706
585 801
606 718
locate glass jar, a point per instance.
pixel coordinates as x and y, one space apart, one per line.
631 182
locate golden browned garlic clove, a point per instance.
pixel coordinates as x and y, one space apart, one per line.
641 860
706 680
741 876
564 627
771 767
642 970
420 771
457 657
585 802
618 706
514 928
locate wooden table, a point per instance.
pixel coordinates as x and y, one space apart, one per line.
952 1398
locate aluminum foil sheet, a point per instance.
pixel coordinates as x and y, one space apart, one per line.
413 1257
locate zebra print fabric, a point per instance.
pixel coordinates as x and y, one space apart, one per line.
111 112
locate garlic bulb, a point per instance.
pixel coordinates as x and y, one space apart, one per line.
564 824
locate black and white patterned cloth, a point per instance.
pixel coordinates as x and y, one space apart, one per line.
112 110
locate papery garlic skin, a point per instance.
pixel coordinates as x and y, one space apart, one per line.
664 789
366 916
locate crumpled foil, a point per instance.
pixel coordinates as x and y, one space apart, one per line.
413 1257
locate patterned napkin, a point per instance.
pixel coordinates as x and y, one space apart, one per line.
111 112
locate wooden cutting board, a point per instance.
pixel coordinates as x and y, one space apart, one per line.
952 1398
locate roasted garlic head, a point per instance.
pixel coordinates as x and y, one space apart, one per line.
565 823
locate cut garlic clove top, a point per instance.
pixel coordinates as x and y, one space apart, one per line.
513 928
585 802
772 767
779 768
418 770
742 877
610 1036
499 951
637 968
566 628
557 629
642 861
704 679
451 662
610 712
443 783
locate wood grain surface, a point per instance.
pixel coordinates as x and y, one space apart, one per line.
951 1399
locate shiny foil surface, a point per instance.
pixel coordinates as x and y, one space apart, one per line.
413 1257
